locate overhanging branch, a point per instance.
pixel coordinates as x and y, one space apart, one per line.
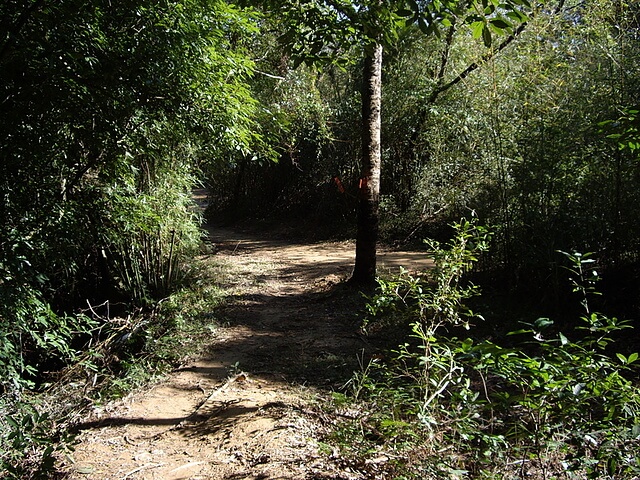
443 87
475 65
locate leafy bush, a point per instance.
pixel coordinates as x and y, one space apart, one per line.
32 339
32 335
151 227
101 134
29 441
553 405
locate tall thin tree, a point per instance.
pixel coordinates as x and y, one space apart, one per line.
317 28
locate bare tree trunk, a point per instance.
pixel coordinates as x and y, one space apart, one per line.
369 191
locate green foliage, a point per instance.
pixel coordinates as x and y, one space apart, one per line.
153 226
27 443
570 396
31 439
323 31
514 132
32 336
103 131
485 18
109 111
440 300
124 355
89 104
551 405
625 130
432 307
33 339
295 123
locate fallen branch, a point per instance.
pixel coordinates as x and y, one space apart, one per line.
241 377
187 465
143 467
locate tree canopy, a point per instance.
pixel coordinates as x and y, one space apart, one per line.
317 31
108 111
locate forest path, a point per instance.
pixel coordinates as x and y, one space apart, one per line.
244 409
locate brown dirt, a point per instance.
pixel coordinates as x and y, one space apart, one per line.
248 407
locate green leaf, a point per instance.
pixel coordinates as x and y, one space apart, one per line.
520 332
477 29
542 323
500 24
487 37
518 16
467 344
12 422
622 358
423 25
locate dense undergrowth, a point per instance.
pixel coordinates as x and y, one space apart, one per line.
549 400
451 403
109 111
117 355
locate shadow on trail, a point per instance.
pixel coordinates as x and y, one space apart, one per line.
310 338
301 321
241 409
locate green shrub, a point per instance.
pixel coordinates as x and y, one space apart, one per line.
554 405
32 339
30 440
150 224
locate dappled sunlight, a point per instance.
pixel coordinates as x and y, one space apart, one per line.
290 332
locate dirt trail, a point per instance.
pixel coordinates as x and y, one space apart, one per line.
242 410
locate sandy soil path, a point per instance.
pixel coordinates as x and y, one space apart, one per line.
245 409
